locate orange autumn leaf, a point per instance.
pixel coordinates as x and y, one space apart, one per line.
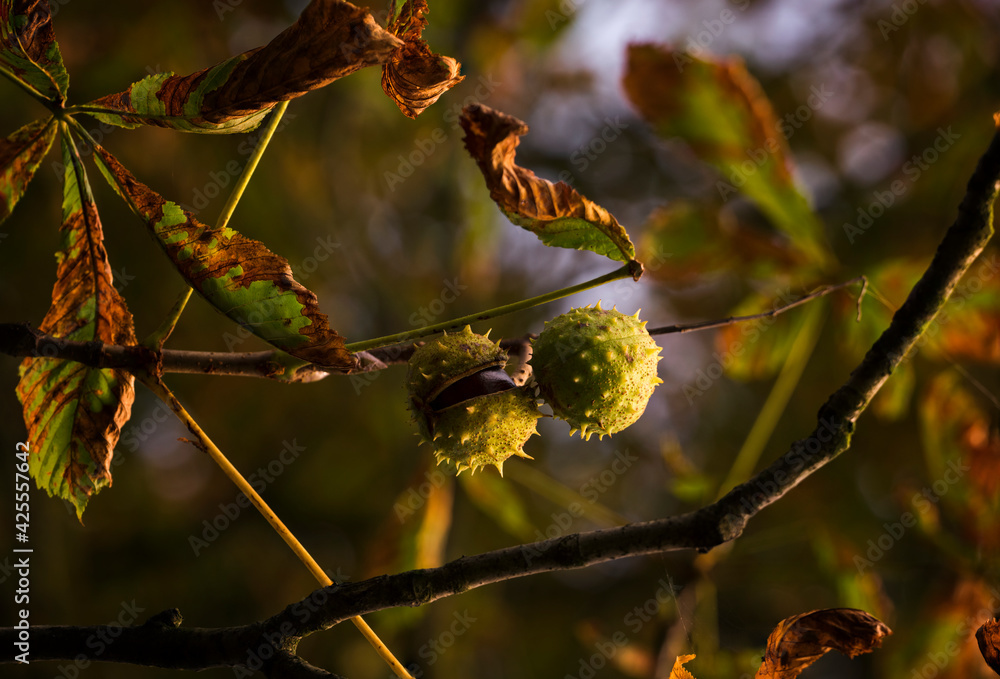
799 641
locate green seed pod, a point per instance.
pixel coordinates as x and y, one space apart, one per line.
596 369
465 405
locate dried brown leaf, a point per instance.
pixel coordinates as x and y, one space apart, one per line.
988 636
415 77
556 213
799 641
74 413
330 40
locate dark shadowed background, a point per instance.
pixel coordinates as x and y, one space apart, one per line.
388 221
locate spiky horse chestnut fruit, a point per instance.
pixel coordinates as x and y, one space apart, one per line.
465 405
596 368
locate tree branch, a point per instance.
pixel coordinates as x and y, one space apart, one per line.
20 340
167 645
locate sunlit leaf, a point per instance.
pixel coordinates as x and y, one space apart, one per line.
28 48
20 155
799 641
497 499
757 349
415 77
678 671
556 213
962 445
74 413
237 275
415 533
969 324
888 286
704 241
988 636
330 40
719 109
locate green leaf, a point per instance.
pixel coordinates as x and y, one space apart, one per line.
556 213
703 241
718 108
74 413
497 500
757 349
28 48
239 276
330 40
20 155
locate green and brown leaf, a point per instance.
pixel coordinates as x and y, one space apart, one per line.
239 276
719 109
28 48
415 77
556 213
330 40
74 413
20 155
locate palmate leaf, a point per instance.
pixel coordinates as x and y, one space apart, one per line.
20 155
331 39
556 213
718 108
415 77
28 48
237 275
74 413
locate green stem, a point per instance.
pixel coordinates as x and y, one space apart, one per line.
241 185
364 345
777 401
32 92
161 334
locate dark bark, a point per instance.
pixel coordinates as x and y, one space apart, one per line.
168 645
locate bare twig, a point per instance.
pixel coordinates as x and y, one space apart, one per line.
710 526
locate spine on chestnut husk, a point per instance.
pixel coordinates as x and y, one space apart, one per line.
466 406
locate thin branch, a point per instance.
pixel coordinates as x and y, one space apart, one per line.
816 294
19 339
701 530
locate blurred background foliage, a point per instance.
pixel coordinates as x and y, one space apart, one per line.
384 256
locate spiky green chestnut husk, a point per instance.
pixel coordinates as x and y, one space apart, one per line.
596 368
465 406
